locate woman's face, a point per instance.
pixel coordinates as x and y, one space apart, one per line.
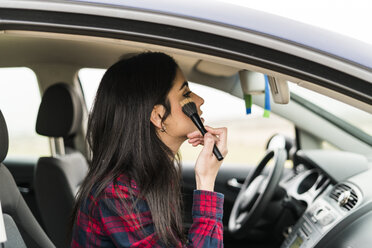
177 124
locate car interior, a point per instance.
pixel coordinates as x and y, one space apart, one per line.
309 181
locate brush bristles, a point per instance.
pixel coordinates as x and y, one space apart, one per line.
188 107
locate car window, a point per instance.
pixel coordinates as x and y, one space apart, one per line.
247 134
19 103
354 121
89 80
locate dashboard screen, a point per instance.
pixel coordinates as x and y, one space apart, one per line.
297 243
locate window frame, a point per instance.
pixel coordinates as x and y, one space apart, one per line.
187 39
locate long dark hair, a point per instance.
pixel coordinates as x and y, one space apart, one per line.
124 141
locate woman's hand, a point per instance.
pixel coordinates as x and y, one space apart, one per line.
207 165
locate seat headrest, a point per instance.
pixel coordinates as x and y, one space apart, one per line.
4 139
60 112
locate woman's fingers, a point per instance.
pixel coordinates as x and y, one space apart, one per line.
222 135
195 134
200 140
218 135
216 139
220 132
196 142
209 141
195 138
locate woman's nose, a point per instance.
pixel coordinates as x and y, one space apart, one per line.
198 100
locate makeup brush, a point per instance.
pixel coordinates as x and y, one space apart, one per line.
189 108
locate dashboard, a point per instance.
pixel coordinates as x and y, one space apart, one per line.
333 189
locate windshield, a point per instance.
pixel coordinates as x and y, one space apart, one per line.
355 121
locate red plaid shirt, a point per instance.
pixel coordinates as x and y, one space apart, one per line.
105 228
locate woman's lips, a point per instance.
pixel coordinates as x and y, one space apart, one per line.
201 118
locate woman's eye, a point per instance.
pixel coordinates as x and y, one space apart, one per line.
187 94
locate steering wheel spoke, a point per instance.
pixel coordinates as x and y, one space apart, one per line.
263 185
241 217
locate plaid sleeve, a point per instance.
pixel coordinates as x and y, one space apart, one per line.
207 212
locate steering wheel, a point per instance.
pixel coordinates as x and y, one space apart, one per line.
256 192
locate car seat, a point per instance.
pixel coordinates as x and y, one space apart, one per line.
22 229
57 178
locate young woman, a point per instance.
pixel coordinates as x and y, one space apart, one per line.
131 196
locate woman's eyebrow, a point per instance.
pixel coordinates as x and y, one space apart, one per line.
184 84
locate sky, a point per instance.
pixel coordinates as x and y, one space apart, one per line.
351 18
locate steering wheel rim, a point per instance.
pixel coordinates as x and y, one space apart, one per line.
255 193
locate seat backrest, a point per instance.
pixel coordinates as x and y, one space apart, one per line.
21 227
57 178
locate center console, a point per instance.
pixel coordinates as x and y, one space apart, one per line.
334 203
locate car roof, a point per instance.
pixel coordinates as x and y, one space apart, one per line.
240 17
225 14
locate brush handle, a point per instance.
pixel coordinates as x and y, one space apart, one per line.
199 124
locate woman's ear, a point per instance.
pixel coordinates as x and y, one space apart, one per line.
157 115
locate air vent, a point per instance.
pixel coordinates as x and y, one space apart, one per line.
345 196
